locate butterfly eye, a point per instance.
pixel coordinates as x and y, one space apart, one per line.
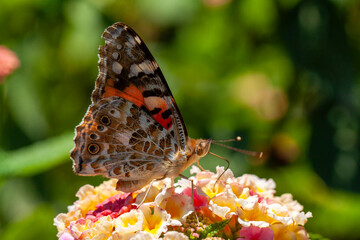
105 120
199 150
93 148
202 148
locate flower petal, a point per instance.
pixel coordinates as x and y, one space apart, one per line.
66 236
224 203
179 206
142 235
129 222
156 219
173 235
256 233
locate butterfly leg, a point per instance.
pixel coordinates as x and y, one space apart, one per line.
146 194
198 164
192 195
227 167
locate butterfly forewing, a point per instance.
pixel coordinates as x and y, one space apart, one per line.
128 70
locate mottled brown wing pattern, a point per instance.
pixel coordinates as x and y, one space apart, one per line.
118 139
128 70
133 131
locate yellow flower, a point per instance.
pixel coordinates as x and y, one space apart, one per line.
289 232
224 204
156 219
129 222
179 206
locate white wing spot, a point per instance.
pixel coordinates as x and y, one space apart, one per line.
146 67
116 67
137 39
115 113
112 43
134 70
117 33
132 41
115 55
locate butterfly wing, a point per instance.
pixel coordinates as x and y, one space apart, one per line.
118 139
133 131
128 70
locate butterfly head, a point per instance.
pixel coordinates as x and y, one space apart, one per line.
202 147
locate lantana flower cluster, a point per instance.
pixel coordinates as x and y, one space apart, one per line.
231 208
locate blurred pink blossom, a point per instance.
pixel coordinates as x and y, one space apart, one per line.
216 3
8 62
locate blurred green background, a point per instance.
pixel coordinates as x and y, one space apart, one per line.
282 74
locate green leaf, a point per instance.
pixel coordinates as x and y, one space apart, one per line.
315 236
37 157
38 225
213 229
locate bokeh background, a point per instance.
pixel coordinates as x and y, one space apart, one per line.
282 74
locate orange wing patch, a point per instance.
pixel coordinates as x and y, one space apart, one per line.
160 109
157 106
130 93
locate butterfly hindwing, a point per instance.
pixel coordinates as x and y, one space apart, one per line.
118 139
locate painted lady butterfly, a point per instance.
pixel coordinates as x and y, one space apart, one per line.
133 130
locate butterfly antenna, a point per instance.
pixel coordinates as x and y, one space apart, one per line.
237 139
246 152
227 167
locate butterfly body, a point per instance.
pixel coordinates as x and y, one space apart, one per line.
133 130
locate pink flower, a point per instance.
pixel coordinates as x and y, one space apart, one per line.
66 236
216 3
199 199
113 206
256 233
8 62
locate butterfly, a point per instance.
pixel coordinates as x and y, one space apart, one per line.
133 130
